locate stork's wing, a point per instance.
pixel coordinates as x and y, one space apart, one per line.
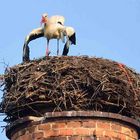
57 19
66 48
71 34
26 53
36 33
72 38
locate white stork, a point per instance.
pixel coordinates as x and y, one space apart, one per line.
53 28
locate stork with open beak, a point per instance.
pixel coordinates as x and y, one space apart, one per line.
53 28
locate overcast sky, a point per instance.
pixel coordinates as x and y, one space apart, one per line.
104 28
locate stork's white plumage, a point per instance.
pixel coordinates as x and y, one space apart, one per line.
57 19
53 28
70 31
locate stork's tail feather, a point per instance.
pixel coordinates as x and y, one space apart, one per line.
26 52
72 38
66 48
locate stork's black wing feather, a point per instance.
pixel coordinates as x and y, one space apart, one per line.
66 48
26 52
72 38
35 36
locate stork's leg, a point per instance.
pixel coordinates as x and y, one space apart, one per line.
57 46
47 50
62 36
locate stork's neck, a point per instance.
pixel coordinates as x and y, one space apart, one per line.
45 25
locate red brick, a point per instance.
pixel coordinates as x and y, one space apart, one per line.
66 132
123 137
113 134
89 124
134 134
26 137
116 139
82 132
59 125
103 125
99 133
45 127
88 138
104 138
109 133
73 124
127 131
116 127
56 138
75 138
52 133
77 130
37 135
92 132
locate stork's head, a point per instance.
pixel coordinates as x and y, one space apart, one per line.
44 18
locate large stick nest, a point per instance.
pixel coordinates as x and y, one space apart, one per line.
70 83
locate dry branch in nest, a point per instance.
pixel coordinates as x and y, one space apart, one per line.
70 83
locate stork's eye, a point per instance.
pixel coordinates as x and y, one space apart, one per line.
60 22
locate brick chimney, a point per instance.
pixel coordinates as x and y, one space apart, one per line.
71 98
75 125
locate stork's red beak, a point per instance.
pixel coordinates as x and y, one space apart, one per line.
43 20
